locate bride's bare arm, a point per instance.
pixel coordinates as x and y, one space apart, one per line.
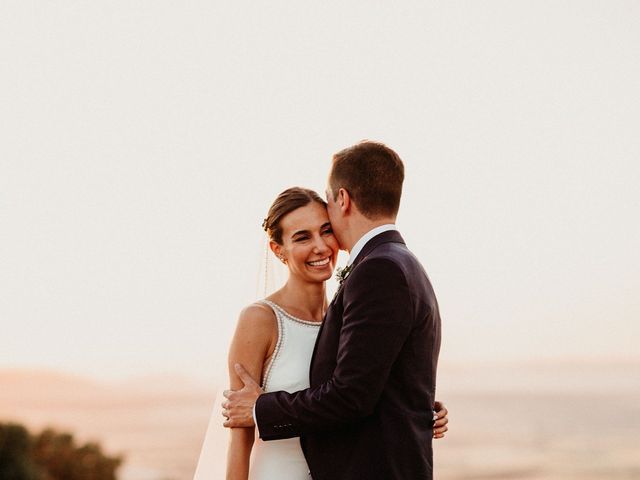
253 343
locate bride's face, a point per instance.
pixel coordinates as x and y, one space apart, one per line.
308 243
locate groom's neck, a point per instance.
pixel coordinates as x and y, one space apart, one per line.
362 225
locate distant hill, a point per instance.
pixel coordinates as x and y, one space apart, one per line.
29 386
545 376
157 423
34 386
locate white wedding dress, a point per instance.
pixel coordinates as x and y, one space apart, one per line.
288 370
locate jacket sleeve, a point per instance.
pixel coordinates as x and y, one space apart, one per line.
377 319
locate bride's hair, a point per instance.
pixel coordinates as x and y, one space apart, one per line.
288 201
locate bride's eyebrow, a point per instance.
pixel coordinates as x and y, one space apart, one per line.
299 233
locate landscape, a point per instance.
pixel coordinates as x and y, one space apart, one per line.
544 421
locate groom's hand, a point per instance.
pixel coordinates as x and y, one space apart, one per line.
238 408
440 420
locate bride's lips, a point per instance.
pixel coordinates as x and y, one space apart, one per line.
320 263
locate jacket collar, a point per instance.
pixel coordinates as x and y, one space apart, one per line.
390 236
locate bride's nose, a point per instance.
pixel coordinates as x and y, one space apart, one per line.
320 245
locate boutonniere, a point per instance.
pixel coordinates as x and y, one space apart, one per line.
343 273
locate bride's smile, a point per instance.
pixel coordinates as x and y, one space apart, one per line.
309 247
320 263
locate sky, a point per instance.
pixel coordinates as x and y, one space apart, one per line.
143 142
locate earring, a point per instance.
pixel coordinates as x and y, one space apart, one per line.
282 259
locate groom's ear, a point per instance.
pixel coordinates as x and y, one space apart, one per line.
344 200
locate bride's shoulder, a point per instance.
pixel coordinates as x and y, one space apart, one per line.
257 315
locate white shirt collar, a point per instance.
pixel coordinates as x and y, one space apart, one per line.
357 248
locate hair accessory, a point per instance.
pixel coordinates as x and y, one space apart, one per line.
264 224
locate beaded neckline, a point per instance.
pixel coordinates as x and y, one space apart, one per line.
287 314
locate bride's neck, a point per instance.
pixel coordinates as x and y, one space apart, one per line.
308 299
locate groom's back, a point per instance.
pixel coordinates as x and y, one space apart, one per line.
392 438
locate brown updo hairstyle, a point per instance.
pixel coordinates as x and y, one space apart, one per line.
288 201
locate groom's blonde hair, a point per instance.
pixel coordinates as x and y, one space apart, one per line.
372 173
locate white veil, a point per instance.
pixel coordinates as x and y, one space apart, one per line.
270 276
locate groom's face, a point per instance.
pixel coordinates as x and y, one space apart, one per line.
335 216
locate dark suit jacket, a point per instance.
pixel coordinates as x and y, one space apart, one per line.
367 414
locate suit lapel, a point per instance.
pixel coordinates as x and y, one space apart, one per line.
390 236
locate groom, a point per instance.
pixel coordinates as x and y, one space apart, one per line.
367 414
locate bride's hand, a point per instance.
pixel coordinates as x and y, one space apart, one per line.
441 419
238 409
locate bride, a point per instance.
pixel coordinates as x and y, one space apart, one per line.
275 337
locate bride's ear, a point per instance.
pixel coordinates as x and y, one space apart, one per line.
276 249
